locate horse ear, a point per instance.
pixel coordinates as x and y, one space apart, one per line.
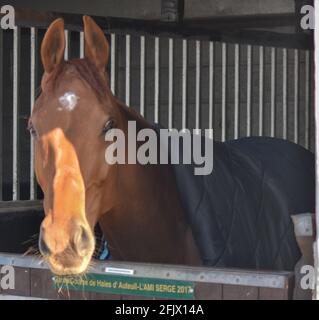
96 46
53 45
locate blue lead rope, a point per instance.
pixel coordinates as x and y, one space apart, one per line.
105 255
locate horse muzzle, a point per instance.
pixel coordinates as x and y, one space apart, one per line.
67 252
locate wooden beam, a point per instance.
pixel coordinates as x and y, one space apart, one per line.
138 9
244 21
216 30
230 8
151 10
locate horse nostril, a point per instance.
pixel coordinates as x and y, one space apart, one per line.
82 241
44 249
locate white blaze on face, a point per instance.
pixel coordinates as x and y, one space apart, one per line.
68 101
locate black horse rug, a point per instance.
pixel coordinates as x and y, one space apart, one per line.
241 213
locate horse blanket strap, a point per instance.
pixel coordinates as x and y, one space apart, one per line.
240 214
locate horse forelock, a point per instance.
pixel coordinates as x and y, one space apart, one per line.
85 70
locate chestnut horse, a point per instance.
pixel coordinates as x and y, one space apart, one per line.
142 220
241 217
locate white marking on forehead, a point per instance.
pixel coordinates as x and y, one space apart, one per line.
68 101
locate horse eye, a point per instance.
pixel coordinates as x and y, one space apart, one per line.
32 129
108 126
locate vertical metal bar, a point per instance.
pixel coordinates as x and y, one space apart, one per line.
113 62
67 45
33 81
273 93
16 78
211 85
198 84
1 113
82 53
261 90
236 93
249 89
184 85
142 71
307 98
156 84
296 94
170 82
224 89
284 92
127 69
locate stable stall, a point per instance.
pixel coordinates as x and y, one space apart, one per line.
243 74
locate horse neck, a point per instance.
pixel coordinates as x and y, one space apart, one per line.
147 222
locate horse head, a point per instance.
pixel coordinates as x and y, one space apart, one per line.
68 123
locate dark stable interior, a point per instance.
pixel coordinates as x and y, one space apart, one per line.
19 231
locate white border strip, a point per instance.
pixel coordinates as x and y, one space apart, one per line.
317 136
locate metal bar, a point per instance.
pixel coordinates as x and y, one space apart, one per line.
273 93
170 82
142 72
156 84
284 93
184 86
14 297
211 84
249 89
240 277
237 92
67 45
21 204
127 69
33 81
261 90
82 50
1 113
198 84
224 89
296 95
16 79
113 62
172 10
307 98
